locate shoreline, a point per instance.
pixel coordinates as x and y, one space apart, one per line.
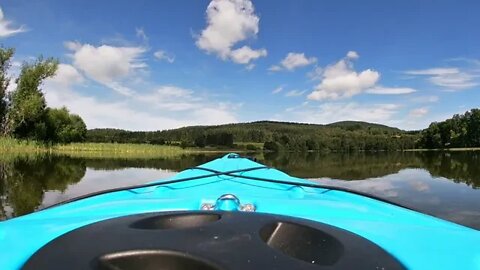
12 146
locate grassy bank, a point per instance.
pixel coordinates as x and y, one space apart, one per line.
445 149
12 147
9 146
120 150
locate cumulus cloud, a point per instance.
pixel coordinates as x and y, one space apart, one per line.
67 75
163 55
380 90
293 61
449 78
106 64
164 108
246 54
6 29
230 22
338 111
340 80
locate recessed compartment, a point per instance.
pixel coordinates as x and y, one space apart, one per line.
303 243
151 260
178 221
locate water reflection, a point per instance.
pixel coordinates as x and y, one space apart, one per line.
24 179
441 184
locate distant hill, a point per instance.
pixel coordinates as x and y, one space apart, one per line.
345 135
356 125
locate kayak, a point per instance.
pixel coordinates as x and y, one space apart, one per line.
234 213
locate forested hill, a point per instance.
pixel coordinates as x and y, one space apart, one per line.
353 125
347 135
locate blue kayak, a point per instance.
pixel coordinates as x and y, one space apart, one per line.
234 213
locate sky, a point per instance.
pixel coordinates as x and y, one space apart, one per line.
155 65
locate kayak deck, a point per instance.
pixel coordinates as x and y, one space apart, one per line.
417 240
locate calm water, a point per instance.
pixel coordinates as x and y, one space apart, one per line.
446 185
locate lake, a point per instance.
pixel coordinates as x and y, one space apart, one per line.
442 184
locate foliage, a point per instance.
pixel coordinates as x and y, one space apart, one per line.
277 136
6 55
27 113
114 150
64 127
458 131
9 145
25 179
24 113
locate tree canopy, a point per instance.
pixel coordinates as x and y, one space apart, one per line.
462 130
275 136
6 55
24 113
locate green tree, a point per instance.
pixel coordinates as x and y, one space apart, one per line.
201 141
6 55
64 127
26 115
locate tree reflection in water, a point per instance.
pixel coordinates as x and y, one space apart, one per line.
24 179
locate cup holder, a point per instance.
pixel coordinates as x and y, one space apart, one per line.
175 221
303 243
151 260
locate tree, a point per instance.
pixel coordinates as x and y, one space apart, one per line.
64 127
6 55
271 146
200 141
26 115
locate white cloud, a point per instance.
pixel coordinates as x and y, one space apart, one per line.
418 112
380 90
5 27
67 75
171 98
250 66
340 80
106 64
425 99
97 113
277 90
352 55
333 112
449 78
274 68
163 55
230 22
433 71
141 34
293 61
245 54
165 108
316 74
294 93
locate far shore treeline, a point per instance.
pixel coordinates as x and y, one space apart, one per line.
24 115
23 111
461 131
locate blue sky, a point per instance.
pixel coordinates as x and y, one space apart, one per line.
149 65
